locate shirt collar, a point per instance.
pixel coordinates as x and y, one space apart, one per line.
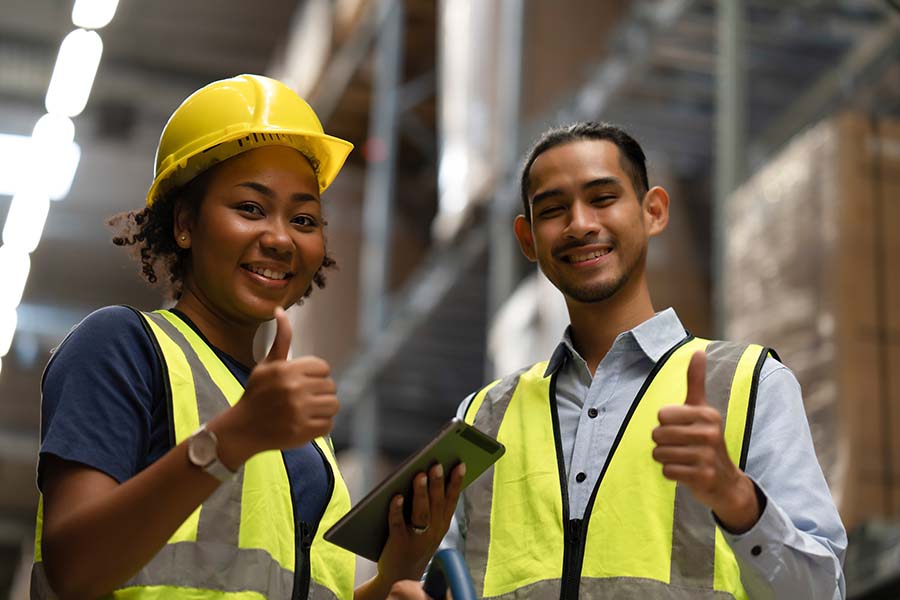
654 337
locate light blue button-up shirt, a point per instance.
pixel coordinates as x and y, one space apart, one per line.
796 549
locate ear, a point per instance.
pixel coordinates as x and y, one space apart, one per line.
522 228
655 208
181 224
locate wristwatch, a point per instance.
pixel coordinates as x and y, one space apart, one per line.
203 451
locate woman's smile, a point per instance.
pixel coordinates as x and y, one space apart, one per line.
269 277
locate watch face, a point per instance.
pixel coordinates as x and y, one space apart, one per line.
202 448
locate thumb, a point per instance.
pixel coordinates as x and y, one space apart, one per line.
696 380
282 343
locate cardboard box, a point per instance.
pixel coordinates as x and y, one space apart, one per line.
887 152
812 264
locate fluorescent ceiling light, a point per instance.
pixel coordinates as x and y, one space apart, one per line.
25 220
56 130
8 322
52 172
73 75
93 14
14 267
53 157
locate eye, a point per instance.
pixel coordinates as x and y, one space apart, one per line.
604 199
550 211
250 208
305 221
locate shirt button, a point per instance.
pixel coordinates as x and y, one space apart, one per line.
755 550
592 413
580 477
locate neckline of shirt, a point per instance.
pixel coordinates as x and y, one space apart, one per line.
654 337
231 362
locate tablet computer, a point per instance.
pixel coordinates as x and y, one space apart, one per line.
364 529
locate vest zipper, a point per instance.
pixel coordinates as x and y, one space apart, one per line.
301 577
573 531
573 558
307 534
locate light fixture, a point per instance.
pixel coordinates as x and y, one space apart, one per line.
53 158
25 220
93 14
8 322
14 265
73 75
53 130
52 172
41 167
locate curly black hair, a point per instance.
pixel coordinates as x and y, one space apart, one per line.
150 233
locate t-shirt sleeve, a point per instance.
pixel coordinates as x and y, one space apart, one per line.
99 396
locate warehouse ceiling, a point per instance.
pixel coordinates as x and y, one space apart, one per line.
654 72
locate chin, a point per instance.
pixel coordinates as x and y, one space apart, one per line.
592 293
257 309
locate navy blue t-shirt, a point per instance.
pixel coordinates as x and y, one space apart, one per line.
104 405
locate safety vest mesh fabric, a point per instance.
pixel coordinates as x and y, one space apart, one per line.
240 543
644 535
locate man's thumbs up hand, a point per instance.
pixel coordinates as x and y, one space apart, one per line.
690 445
696 380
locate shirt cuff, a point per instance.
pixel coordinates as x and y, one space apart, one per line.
761 545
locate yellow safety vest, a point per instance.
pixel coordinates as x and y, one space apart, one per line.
242 542
643 536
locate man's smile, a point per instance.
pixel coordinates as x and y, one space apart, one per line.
582 257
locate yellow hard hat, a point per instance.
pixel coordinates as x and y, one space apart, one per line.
234 115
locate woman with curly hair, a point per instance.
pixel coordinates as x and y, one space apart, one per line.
172 464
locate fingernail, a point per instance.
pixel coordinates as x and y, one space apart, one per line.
399 501
462 470
439 470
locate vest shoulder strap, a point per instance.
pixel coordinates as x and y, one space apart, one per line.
486 409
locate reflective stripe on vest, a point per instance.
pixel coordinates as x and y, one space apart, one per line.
240 543
644 535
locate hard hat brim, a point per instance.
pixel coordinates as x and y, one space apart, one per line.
326 153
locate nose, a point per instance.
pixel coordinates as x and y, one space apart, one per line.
582 221
276 237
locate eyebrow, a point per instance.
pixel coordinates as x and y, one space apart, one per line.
603 182
269 193
599 182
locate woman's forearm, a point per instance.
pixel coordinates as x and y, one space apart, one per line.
97 533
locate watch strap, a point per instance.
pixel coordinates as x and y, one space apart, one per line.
218 470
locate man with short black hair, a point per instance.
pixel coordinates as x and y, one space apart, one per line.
641 462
